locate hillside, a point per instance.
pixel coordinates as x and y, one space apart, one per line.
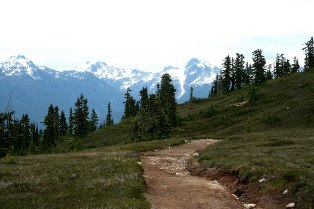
267 134
269 137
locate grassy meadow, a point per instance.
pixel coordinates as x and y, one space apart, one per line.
267 132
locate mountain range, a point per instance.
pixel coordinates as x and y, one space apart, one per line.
30 88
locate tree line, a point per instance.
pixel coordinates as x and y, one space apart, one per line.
237 73
19 136
154 114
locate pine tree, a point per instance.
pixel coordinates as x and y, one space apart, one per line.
191 93
71 123
226 74
214 89
248 74
93 121
24 135
109 119
259 63
81 123
168 99
63 124
278 70
57 120
269 74
130 109
295 66
232 86
309 54
239 70
50 133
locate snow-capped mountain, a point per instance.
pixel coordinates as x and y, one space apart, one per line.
33 88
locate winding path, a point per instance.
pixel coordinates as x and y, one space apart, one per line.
170 185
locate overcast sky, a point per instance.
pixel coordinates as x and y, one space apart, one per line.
151 34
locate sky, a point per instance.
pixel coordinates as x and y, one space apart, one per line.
152 34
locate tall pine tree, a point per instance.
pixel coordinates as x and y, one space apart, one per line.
309 54
81 120
109 119
259 63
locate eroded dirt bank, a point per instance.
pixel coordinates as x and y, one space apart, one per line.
170 185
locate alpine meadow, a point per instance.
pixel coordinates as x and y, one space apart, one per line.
261 113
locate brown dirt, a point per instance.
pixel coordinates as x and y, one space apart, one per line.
171 186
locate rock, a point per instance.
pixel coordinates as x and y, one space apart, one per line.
290 205
248 206
235 196
285 192
195 154
262 180
139 163
185 141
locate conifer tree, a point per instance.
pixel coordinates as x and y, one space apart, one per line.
50 133
295 66
63 124
259 63
109 119
71 122
249 74
81 123
57 120
226 74
191 94
168 99
269 74
309 54
239 70
143 99
93 121
278 70
232 86
130 109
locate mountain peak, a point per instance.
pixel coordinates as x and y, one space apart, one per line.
17 57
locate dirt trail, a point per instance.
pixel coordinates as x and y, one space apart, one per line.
170 185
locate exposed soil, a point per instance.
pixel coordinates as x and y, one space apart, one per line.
171 186
176 181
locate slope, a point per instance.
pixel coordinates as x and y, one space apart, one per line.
267 132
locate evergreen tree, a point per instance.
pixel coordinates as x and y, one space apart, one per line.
144 99
259 63
168 99
214 89
130 109
239 71
93 121
191 93
226 74
248 74
278 70
63 124
24 135
57 120
295 66
35 136
269 75
232 86
81 123
109 119
50 132
309 54
286 67
71 123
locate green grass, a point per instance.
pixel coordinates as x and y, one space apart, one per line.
271 137
108 177
285 159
